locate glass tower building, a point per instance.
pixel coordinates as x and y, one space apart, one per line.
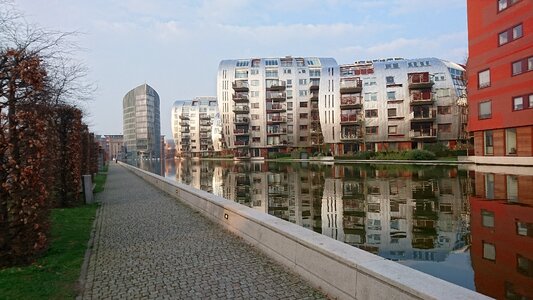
142 126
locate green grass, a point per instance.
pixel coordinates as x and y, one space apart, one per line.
54 275
99 180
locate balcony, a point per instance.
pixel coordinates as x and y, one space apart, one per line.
275 107
423 116
241 143
276 96
240 86
314 85
183 123
419 80
351 86
241 109
185 142
350 137
352 118
314 96
205 136
205 129
240 97
205 142
276 86
277 131
204 117
315 118
205 123
276 119
314 105
241 132
241 121
351 101
183 117
427 133
419 101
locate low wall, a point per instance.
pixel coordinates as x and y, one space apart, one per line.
498 160
338 269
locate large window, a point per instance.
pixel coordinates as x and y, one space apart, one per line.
483 79
510 141
523 102
391 95
522 66
487 218
485 110
510 35
488 143
444 128
489 251
391 112
393 129
371 113
504 4
371 130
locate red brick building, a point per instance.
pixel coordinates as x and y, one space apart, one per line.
500 80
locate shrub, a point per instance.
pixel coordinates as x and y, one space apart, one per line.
420 155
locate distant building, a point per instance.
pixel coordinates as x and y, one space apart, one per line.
395 104
500 81
113 146
270 105
142 126
196 127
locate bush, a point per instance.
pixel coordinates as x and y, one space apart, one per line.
277 155
420 155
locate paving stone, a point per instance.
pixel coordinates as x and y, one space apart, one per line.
148 245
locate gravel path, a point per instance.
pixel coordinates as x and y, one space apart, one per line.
148 245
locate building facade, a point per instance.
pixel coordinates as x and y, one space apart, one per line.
271 105
113 145
395 104
142 126
500 81
196 127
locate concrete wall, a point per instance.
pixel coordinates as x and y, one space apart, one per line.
498 160
338 269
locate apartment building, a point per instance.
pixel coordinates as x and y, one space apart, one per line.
500 81
142 125
270 105
395 104
196 127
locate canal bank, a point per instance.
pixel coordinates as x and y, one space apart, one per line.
337 268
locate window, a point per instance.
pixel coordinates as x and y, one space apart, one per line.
372 130
522 66
254 94
302 93
444 110
510 141
390 79
512 188
485 110
371 96
518 103
271 62
303 116
487 218
242 63
254 71
255 105
524 229
510 35
524 266
254 83
303 127
483 79
391 95
371 113
289 105
488 143
302 81
444 128
255 117
271 73
391 112
489 186
303 139
303 104
256 128
504 4
287 71
393 129
489 251
289 83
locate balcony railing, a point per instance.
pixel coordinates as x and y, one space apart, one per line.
351 101
204 117
276 96
205 128
423 133
314 95
240 97
349 118
276 131
276 119
241 109
185 130
240 143
275 107
205 123
241 131
419 80
351 86
350 136
240 86
314 85
242 121
184 117
205 135
276 86
419 101
424 115
183 123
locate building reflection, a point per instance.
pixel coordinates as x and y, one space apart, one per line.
418 216
502 235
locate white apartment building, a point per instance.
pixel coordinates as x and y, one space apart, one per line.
196 127
395 104
270 105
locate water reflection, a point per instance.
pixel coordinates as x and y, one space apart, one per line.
471 228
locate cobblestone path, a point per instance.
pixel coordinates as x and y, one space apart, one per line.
148 245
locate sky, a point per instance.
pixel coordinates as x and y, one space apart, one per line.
175 46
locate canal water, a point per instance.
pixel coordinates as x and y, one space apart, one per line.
468 225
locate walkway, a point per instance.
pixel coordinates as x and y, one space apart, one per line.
148 245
